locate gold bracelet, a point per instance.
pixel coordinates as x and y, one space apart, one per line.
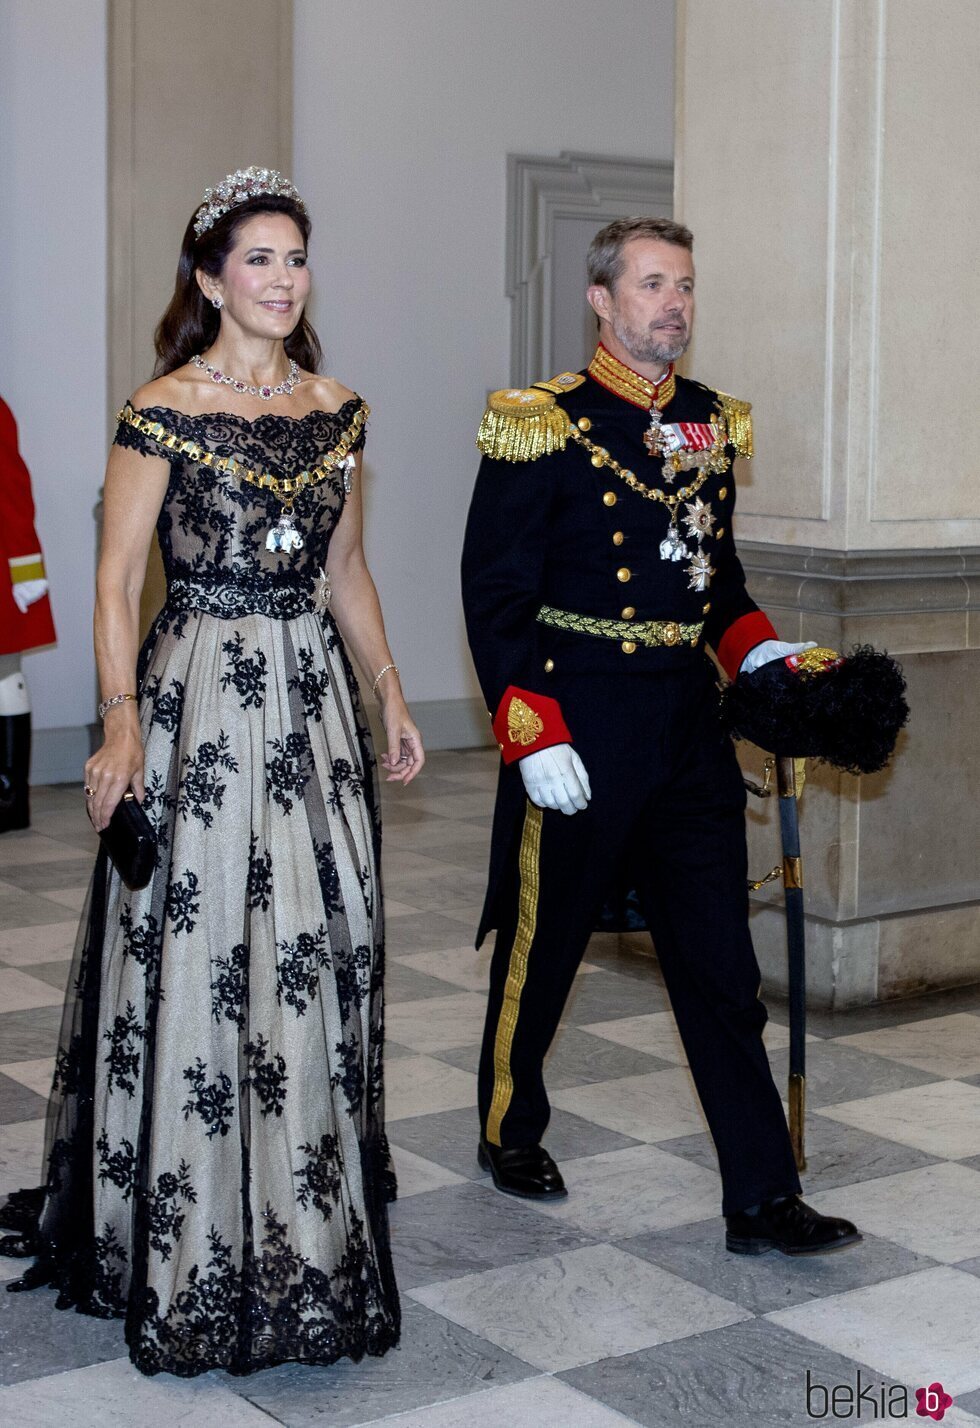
108 704
380 673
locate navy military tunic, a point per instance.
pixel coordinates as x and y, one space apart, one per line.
561 532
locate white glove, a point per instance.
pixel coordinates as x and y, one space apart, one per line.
26 592
556 778
770 650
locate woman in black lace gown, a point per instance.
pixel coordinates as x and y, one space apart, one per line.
217 1170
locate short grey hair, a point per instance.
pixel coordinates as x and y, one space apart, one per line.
605 262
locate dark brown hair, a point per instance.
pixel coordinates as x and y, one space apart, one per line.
605 261
190 323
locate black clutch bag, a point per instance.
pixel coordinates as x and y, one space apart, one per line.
131 843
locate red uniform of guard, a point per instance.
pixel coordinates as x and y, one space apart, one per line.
21 561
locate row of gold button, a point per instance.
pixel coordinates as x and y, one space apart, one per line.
623 575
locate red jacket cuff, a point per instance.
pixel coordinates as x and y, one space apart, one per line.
747 632
526 722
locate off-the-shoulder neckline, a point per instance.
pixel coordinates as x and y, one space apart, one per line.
248 421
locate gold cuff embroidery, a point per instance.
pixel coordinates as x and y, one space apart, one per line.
523 725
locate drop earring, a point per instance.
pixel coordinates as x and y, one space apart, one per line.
216 302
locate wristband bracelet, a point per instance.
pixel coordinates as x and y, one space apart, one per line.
107 704
380 674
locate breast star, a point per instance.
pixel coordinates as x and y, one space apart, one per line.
699 520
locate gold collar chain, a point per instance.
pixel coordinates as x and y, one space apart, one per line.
715 461
284 488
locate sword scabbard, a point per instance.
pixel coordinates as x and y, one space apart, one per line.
797 1118
789 825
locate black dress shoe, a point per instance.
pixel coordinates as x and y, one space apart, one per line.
525 1170
787 1225
18 1246
33 1277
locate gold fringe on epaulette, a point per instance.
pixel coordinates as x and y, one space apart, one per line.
521 425
738 419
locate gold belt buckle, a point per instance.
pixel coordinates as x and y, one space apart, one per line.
672 632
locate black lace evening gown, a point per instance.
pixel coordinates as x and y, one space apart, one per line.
216 1166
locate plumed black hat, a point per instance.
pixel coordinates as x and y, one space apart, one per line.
845 710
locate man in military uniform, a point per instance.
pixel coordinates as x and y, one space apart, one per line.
598 564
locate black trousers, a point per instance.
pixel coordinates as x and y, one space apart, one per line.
667 809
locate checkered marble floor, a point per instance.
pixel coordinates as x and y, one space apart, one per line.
616 1306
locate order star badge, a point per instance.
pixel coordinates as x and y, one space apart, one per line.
699 520
321 592
700 570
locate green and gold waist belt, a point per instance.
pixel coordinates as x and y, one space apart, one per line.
651 633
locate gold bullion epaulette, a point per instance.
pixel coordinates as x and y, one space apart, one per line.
523 423
738 419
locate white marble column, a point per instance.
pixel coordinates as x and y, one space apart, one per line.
826 163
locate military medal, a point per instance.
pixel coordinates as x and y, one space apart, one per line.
672 547
699 520
284 536
700 572
655 438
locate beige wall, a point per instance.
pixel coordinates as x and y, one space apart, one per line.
196 90
831 184
53 318
404 117
179 94
175 130
826 160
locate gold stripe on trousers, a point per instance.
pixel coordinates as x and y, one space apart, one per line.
527 918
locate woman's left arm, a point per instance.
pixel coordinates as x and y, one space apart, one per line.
355 606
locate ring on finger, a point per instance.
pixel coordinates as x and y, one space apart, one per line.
89 791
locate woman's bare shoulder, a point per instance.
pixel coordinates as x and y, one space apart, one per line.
171 390
328 394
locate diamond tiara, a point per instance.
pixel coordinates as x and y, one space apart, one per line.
237 188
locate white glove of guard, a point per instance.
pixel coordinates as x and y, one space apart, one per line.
26 592
556 778
770 650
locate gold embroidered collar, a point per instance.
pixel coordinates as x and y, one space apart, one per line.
616 377
286 488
